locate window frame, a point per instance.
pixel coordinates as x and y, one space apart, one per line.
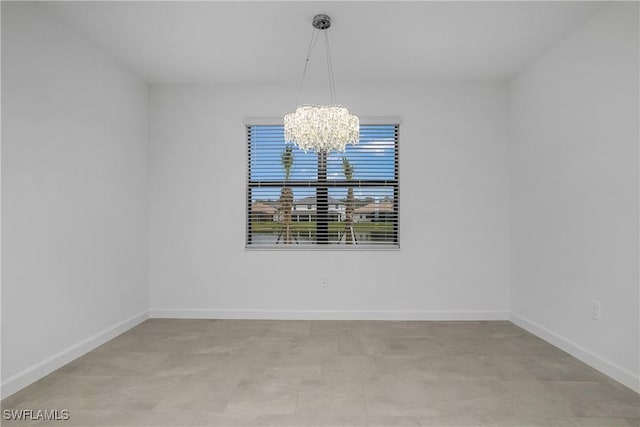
326 185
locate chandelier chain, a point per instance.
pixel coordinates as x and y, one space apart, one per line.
332 82
312 44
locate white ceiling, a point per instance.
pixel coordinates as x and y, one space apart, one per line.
266 42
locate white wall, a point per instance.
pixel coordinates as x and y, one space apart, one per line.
454 210
574 118
74 182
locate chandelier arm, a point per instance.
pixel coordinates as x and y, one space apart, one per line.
312 44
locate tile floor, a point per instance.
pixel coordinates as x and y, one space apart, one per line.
169 372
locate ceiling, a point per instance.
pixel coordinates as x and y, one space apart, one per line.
266 42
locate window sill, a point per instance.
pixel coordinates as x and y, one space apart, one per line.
322 248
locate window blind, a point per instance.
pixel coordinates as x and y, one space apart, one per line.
325 200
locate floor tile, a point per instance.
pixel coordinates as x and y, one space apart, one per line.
331 398
397 397
195 393
406 367
464 367
350 367
269 396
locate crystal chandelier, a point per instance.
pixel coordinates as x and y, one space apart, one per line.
321 128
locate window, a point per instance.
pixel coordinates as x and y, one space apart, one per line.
297 199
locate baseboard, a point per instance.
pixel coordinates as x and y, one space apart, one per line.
325 314
607 367
39 370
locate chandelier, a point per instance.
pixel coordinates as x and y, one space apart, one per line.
321 128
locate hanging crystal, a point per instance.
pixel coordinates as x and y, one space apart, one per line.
321 128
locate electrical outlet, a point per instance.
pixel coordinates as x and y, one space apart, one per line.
324 282
594 310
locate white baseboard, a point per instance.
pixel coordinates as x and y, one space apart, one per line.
607 367
39 370
325 314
